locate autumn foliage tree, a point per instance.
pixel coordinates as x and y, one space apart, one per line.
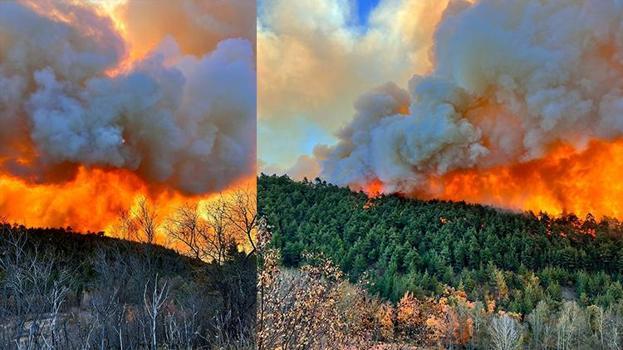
303 309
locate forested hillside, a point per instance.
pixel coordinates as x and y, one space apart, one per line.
63 290
399 245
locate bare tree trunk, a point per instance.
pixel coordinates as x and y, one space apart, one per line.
153 304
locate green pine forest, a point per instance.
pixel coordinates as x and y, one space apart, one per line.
395 245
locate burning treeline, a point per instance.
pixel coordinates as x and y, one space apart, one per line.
523 109
98 112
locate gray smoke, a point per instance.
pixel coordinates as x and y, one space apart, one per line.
184 121
510 79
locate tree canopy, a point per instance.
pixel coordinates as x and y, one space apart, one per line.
401 245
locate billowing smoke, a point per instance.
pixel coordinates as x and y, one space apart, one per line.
512 81
316 56
67 100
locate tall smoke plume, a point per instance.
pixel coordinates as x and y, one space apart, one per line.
519 90
69 98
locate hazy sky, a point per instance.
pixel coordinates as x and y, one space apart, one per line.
280 144
315 57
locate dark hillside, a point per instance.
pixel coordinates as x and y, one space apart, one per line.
75 249
71 289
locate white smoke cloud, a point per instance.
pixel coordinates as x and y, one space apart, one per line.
510 80
305 166
180 120
315 58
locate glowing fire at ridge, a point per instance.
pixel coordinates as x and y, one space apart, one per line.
99 120
92 201
562 182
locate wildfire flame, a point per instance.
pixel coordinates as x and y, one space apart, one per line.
89 195
564 181
91 201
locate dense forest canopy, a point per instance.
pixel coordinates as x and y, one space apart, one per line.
403 245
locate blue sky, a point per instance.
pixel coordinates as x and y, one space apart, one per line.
277 147
364 7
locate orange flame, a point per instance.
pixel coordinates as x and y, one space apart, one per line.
94 199
373 188
564 181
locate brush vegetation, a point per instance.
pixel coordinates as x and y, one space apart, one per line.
64 290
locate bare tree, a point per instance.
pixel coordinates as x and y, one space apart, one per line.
139 223
126 225
187 228
38 288
242 214
479 320
207 237
540 326
146 217
182 327
505 333
613 326
221 233
572 327
153 301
